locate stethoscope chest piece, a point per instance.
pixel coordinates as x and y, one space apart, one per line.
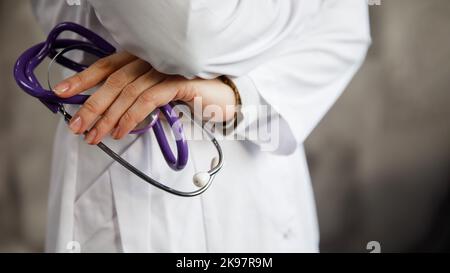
96 45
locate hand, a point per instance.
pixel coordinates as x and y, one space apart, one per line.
131 91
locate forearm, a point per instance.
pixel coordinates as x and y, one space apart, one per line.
301 86
197 38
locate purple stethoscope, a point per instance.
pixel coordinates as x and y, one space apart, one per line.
95 45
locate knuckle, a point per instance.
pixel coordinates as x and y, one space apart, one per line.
184 91
78 78
128 118
116 80
148 98
105 122
130 91
103 64
92 106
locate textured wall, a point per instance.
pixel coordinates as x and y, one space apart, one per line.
25 139
379 160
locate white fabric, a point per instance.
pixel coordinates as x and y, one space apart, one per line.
295 56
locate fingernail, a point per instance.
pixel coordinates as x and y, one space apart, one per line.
116 132
91 136
61 87
75 125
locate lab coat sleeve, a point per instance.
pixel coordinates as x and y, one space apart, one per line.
201 38
303 84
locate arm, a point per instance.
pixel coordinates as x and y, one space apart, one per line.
303 84
201 38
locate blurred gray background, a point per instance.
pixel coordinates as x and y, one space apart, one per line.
380 160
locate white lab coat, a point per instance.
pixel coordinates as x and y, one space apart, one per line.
295 55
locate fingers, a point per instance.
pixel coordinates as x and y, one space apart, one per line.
93 75
123 102
99 102
146 103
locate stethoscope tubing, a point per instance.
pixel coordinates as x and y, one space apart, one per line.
116 157
96 45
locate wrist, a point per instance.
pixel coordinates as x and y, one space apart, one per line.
234 89
232 110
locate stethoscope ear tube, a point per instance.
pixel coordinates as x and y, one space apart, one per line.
211 173
217 166
94 44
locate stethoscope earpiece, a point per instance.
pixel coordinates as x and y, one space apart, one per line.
96 45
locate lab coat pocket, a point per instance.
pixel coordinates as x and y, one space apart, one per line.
95 220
